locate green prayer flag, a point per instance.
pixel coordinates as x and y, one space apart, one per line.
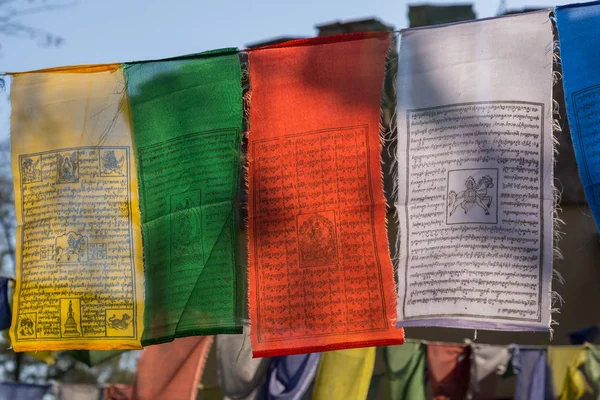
93 357
592 368
187 119
406 371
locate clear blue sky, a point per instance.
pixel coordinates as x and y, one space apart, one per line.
102 31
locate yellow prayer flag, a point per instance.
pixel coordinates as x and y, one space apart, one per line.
80 281
344 374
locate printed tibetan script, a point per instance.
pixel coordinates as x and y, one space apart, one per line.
475 177
79 280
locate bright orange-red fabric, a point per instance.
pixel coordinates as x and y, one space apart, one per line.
173 370
320 273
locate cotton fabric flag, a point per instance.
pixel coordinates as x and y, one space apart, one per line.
320 275
487 364
475 174
449 367
344 374
172 370
118 392
187 116
240 376
574 385
578 27
291 377
80 281
22 391
406 370
592 368
93 357
534 378
561 359
584 335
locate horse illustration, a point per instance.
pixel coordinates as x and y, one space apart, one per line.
75 247
475 193
119 324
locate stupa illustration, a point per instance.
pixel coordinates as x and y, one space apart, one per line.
70 323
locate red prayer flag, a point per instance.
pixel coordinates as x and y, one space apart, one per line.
320 273
449 367
172 370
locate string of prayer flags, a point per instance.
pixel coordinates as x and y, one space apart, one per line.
344 374
578 26
320 274
291 377
172 371
406 370
534 378
448 367
241 377
80 214
80 281
475 172
187 120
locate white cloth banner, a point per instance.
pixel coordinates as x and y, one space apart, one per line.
475 173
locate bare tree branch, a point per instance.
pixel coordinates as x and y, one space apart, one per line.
12 12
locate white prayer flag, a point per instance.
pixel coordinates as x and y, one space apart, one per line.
475 172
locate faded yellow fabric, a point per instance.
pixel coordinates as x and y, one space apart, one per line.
575 384
344 374
560 359
79 272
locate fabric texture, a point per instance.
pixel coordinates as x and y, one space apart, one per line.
93 357
449 368
118 392
487 364
581 82
77 208
241 377
172 371
474 118
315 189
575 385
22 391
592 368
584 335
534 378
187 117
406 370
560 359
290 377
74 391
344 374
